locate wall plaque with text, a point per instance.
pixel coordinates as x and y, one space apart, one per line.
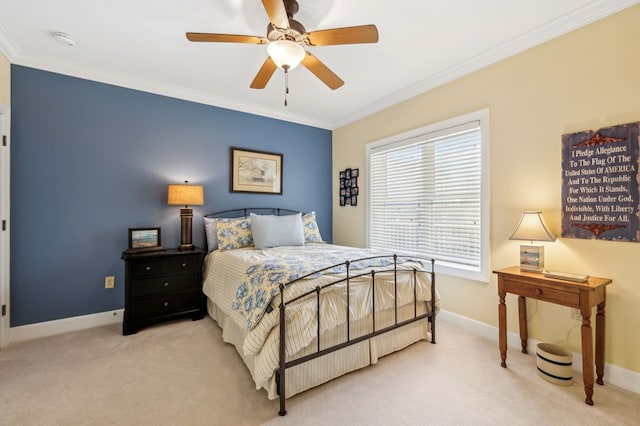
600 183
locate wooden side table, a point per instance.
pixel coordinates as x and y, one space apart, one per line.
583 296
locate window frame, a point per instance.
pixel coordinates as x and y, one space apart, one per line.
482 273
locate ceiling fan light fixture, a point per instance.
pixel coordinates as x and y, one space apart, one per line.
286 53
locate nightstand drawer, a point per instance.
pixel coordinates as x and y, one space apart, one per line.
187 264
160 306
546 294
147 268
164 284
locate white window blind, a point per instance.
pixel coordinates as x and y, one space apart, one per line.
425 196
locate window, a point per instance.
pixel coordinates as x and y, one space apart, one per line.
428 194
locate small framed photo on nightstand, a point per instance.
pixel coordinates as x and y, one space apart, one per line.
144 239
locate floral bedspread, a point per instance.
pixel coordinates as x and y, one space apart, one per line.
262 280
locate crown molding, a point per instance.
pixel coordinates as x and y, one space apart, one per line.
7 46
595 11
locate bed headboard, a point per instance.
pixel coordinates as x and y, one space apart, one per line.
257 210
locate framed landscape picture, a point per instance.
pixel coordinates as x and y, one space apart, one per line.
256 171
144 239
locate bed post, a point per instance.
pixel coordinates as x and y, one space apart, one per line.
395 288
433 301
283 356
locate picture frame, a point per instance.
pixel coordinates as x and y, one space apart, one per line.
144 239
355 173
257 172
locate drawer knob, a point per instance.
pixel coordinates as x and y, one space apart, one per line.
148 268
166 284
538 292
166 304
184 264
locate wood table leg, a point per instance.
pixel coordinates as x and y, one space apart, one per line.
522 317
600 338
502 329
587 355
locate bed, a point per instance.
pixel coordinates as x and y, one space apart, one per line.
343 307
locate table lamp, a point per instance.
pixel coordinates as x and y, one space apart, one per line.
532 228
185 195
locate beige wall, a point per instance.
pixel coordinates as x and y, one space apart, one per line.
587 79
5 81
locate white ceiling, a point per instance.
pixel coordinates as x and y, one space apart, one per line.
141 45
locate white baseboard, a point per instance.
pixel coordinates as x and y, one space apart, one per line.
50 328
618 376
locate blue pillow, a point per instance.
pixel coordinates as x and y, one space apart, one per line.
274 231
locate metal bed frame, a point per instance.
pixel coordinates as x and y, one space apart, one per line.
430 314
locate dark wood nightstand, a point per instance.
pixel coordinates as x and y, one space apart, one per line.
160 286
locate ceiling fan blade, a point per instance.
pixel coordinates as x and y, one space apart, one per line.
321 71
346 35
264 75
277 13
226 38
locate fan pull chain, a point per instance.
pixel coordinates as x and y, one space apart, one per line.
286 84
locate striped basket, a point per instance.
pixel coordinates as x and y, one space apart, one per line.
554 364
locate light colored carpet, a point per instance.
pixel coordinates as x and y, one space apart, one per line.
181 373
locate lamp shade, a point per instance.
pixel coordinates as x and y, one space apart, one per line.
286 53
532 228
185 195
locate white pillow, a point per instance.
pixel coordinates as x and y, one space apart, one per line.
274 231
211 231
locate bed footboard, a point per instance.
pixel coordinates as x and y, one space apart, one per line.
395 268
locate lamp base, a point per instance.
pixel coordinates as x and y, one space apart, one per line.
531 258
186 215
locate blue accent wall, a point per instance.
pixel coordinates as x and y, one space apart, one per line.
90 160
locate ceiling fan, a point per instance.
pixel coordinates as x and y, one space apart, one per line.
286 40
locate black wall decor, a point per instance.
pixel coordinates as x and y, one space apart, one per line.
349 187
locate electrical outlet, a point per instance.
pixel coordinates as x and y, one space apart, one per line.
110 281
576 315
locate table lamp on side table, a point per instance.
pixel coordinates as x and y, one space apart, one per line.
532 228
185 195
